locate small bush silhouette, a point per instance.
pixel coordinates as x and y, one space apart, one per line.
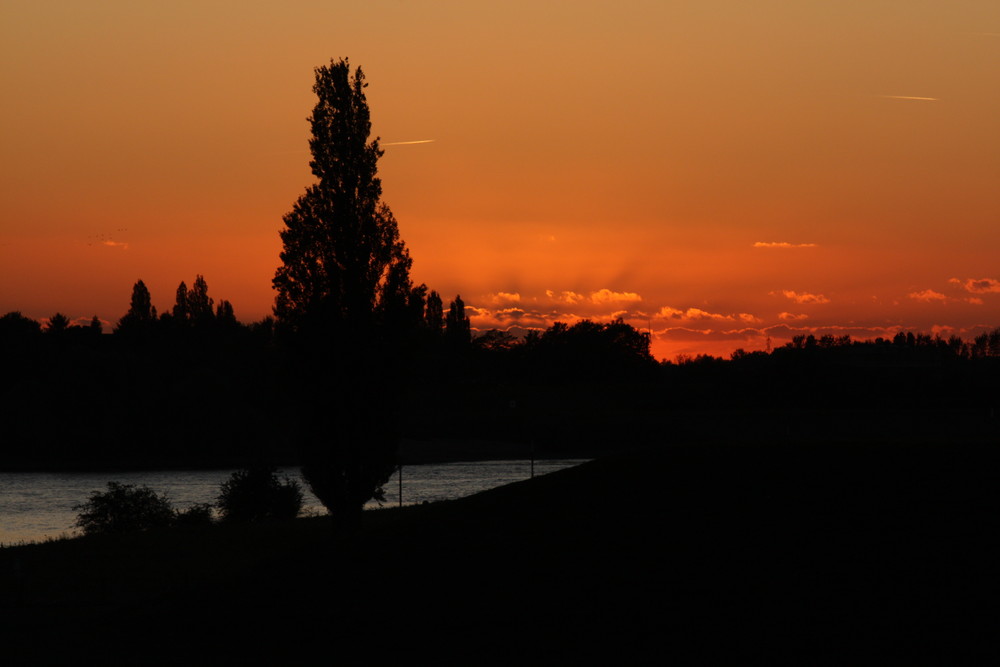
256 494
123 508
199 514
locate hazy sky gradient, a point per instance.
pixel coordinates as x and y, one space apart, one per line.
687 164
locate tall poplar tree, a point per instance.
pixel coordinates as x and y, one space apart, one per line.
457 325
342 257
344 301
141 313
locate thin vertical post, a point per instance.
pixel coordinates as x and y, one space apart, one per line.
400 484
532 459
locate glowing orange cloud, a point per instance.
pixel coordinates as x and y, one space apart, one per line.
978 286
804 297
928 295
695 314
608 296
505 297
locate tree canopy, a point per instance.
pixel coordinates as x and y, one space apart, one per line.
343 262
141 312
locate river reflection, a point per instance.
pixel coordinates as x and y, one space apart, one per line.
35 506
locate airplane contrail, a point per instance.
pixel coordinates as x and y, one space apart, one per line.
407 143
908 97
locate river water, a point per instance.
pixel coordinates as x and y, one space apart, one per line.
35 506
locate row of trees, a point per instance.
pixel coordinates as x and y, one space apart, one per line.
192 307
904 345
195 310
576 342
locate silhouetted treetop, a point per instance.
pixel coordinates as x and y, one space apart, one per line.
434 313
57 325
224 313
495 340
343 261
198 302
15 326
457 325
141 313
181 311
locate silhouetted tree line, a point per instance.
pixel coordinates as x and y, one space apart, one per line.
193 386
159 390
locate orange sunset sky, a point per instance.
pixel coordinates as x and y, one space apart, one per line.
714 171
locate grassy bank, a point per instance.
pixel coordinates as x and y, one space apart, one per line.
818 554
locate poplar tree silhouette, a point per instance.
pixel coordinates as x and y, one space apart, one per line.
434 315
181 309
345 302
457 325
199 304
141 313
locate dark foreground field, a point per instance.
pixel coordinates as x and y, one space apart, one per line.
803 554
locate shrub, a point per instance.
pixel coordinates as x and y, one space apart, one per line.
199 514
123 508
255 494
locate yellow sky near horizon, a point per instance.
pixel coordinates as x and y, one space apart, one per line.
579 148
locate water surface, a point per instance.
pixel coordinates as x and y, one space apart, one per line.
35 506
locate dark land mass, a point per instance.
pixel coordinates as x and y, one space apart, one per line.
106 404
748 552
